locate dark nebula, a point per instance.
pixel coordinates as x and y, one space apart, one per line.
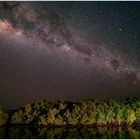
68 51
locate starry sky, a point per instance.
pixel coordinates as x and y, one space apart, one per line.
68 51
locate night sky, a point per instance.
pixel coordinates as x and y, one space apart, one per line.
68 51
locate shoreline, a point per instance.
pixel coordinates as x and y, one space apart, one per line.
73 126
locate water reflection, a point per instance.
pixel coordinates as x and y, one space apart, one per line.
77 133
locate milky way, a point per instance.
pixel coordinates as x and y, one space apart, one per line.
68 51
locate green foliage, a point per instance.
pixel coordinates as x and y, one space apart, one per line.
17 117
85 112
119 114
3 116
59 120
51 115
130 116
42 120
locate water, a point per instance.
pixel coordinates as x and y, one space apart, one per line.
77 133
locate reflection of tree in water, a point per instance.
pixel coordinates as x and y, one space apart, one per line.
24 132
106 133
2 132
15 132
73 133
135 134
88 133
50 133
20 132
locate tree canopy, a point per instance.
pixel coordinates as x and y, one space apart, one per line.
84 112
3 116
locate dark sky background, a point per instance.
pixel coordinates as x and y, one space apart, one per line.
68 51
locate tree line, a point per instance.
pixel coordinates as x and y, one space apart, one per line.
84 112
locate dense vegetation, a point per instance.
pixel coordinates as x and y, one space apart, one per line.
3 116
84 112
